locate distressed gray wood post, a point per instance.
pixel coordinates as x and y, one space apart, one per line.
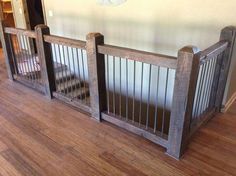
184 92
227 34
46 59
6 46
96 69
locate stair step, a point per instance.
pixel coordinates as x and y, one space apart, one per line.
79 93
69 85
63 76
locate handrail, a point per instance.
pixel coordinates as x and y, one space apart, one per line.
140 56
65 41
213 51
17 31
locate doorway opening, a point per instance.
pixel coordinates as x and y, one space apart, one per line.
35 13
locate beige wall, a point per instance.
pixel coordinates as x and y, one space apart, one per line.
153 25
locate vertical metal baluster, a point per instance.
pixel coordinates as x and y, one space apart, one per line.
22 58
31 60
156 103
134 91
66 91
197 95
37 66
85 84
69 72
164 107
148 101
211 64
56 73
29 76
79 75
27 61
200 90
61 70
211 80
206 84
114 84
108 89
205 87
18 56
141 95
127 89
73 63
120 90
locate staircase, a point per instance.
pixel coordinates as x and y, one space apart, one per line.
68 83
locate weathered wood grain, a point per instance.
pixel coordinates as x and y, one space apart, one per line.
141 56
229 34
182 105
96 70
46 59
213 51
65 41
18 31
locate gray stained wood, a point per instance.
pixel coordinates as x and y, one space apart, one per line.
44 137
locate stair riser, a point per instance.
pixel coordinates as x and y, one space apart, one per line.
65 78
71 88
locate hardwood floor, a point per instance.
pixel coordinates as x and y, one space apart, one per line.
43 137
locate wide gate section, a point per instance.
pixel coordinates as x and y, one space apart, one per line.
25 63
208 90
70 71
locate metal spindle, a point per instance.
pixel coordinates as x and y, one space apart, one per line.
212 79
55 72
73 63
164 107
30 50
62 71
66 71
127 89
134 91
148 100
108 87
37 66
22 58
141 95
114 95
26 61
85 85
204 88
69 65
156 99
196 113
209 82
79 74
120 90
18 55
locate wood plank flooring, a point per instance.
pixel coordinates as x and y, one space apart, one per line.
40 137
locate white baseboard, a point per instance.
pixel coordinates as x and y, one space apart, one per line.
225 108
